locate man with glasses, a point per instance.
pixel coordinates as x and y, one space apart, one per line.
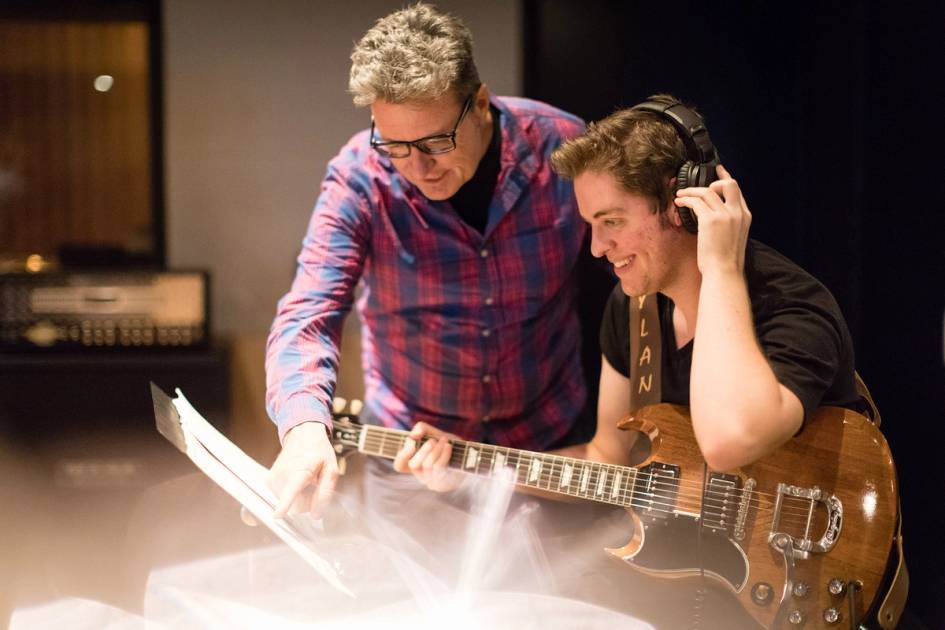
465 243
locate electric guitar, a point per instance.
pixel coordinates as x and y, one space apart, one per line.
802 538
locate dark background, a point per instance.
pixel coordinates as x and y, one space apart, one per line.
828 115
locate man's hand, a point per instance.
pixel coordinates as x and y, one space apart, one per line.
724 220
429 463
305 472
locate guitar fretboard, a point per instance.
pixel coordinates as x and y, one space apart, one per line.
594 481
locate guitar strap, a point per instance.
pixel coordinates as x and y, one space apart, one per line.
646 367
646 352
893 604
869 407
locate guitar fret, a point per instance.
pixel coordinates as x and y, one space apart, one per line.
380 448
555 475
548 478
628 485
488 460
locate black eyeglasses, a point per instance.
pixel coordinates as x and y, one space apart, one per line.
431 145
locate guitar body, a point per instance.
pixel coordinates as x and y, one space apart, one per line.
801 538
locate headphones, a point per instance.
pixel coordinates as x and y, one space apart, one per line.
702 157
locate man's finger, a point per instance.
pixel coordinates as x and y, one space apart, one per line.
697 205
730 190
446 452
326 489
294 485
404 454
709 195
416 462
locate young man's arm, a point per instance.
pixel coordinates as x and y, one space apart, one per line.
740 412
610 444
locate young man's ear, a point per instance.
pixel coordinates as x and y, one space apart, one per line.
673 213
672 210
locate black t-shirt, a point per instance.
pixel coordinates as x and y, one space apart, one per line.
473 198
797 322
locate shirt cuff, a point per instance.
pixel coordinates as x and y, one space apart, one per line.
300 411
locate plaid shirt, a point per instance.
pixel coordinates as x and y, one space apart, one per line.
474 333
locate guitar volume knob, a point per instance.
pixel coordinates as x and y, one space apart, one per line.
801 589
761 593
796 618
836 586
831 615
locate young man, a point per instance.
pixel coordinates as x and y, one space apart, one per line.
465 242
751 342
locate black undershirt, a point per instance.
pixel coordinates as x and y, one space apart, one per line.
472 200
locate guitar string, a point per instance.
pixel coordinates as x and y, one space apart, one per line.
558 463
644 499
636 500
557 466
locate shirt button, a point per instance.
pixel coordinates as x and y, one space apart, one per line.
486 418
484 253
486 378
489 301
486 332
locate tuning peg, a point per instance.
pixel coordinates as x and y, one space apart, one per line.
338 404
356 406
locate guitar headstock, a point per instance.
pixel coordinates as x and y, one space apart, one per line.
346 432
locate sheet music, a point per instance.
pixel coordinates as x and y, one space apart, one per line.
245 480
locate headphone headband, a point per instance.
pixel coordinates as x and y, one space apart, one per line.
690 127
701 158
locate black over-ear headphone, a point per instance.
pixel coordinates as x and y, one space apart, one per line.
702 158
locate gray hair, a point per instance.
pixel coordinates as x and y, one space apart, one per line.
416 54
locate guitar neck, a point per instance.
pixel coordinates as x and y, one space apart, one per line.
594 481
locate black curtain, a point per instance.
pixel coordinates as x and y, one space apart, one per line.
827 114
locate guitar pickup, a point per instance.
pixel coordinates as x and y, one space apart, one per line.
723 500
656 489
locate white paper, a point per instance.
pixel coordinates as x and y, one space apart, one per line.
245 480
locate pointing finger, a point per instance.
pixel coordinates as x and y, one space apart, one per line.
296 482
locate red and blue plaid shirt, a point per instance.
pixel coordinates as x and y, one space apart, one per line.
474 333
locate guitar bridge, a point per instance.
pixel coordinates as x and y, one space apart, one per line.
806 501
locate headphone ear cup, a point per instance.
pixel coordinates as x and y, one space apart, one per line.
682 176
686 215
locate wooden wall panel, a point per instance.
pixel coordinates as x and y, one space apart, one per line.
75 163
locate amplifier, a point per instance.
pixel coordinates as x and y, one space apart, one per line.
114 309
